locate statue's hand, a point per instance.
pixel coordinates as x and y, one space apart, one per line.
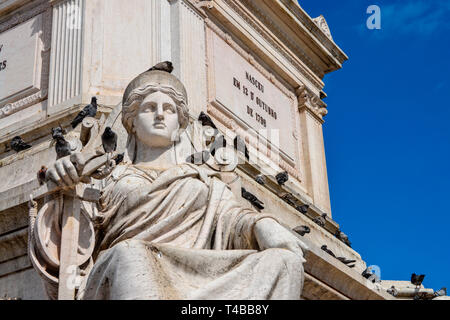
270 234
64 171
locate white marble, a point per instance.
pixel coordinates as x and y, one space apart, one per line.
156 213
252 98
20 61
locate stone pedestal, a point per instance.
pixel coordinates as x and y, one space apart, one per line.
253 66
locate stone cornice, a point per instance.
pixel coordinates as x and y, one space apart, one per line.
26 11
316 30
225 12
278 32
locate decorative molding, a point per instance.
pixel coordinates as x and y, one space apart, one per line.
20 17
203 4
323 25
307 99
329 44
14 107
44 52
281 35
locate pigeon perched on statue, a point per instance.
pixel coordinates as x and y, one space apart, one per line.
109 140
165 66
62 146
417 279
17 144
252 198
89 111
282 177
302 230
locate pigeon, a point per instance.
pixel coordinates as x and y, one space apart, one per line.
252 198
440 293
57 132
302 230
119 158
89 111
165 66
218 143
417 279
282 178
261 179
206 120
303 209
343 237
239 145
321 220
289 198
109 140
41 175
420 296
199 157
17 144
325 248
369 275
345 260
62 147
392 291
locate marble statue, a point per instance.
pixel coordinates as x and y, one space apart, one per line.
163 228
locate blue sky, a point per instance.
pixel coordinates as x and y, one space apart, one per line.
387 134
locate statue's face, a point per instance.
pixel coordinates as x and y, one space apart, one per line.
156 123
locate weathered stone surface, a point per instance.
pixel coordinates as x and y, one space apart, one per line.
13 244
25 285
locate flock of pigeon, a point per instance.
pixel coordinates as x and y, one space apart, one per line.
63 147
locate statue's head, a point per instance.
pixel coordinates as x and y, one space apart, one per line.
154 108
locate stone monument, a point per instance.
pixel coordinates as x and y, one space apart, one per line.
247 87
164 229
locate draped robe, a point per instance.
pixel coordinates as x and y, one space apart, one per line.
181 234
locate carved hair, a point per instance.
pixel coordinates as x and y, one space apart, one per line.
131 106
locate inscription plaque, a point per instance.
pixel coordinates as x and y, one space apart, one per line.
20 61
252 98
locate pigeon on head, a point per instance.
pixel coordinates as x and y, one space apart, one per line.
165 66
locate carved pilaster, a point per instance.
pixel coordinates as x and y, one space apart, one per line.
312 110
65 67
307 99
